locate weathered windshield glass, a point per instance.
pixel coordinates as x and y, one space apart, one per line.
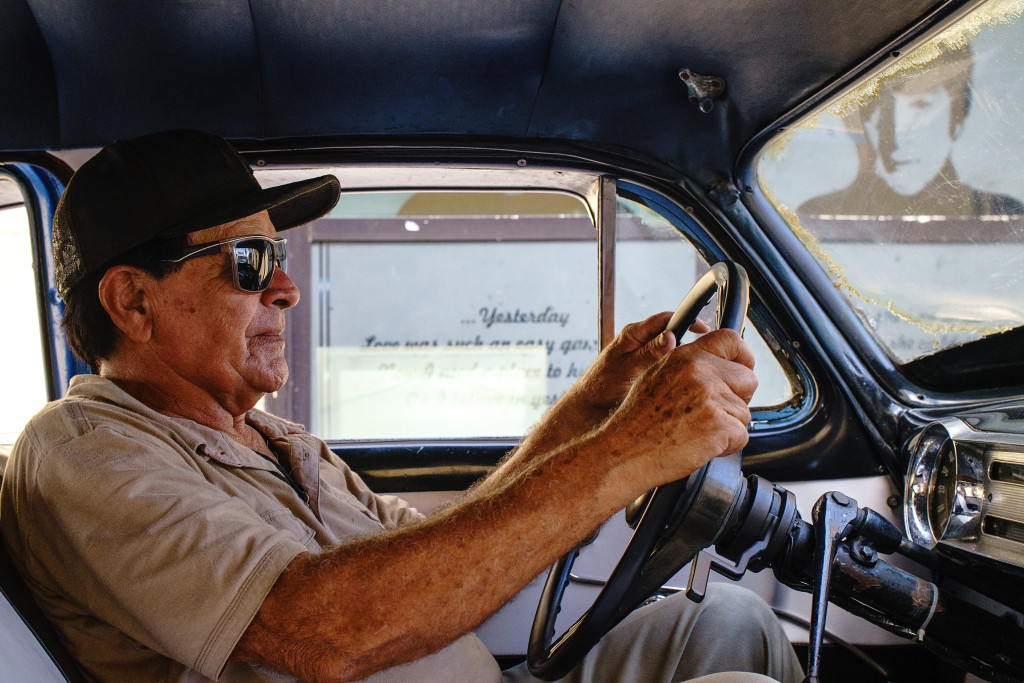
909 190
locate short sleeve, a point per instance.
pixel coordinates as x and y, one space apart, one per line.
141 540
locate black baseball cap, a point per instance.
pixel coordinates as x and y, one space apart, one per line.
166 185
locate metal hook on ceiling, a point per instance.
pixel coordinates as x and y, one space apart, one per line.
702 89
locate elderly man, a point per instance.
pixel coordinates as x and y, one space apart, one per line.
171 531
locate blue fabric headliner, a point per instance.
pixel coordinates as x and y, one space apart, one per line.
79 73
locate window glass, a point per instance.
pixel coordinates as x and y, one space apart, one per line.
24 379
655 266
909 191
448 314
466 313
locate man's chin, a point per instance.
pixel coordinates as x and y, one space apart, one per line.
270 377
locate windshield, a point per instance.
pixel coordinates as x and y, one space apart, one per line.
909 191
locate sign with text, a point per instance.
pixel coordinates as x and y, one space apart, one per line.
388 392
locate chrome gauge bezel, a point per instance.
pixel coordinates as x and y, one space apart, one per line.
930 450
950 494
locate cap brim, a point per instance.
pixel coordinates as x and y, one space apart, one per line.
289 206
303 201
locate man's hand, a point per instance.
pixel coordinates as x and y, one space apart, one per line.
596 394
686 408
609 378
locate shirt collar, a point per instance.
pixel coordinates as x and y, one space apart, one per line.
200 438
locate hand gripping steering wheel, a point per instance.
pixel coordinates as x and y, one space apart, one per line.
678 519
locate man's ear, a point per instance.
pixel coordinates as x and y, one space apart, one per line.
125 300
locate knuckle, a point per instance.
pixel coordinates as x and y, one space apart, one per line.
628 331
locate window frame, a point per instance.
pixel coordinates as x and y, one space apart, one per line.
778 448
42 178
599 191
591 187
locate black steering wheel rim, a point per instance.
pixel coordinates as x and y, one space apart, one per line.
660 545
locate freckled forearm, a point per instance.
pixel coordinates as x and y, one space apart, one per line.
393 598
571 419
389 599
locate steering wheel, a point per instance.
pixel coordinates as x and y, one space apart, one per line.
675 521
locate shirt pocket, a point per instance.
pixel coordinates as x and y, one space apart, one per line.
284 520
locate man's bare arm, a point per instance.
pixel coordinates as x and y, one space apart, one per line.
393 598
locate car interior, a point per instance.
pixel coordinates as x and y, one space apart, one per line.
838 181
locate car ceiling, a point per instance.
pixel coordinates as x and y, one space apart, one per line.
80 73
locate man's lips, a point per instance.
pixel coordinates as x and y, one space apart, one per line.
275 330
268 337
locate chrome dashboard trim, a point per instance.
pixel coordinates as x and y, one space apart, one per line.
951 497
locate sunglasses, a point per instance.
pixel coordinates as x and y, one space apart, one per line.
253 259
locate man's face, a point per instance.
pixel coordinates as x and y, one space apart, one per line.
910 132
216 337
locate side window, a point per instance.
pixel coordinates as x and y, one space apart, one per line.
655 265
24 385
448 314
465 314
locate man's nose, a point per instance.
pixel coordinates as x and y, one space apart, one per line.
282 292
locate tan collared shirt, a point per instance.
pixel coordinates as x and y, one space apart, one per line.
150 542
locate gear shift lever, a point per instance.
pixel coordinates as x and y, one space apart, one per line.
833 515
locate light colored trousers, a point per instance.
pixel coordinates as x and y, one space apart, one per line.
730 637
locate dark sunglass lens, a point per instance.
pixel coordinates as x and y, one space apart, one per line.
254 265
281 254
